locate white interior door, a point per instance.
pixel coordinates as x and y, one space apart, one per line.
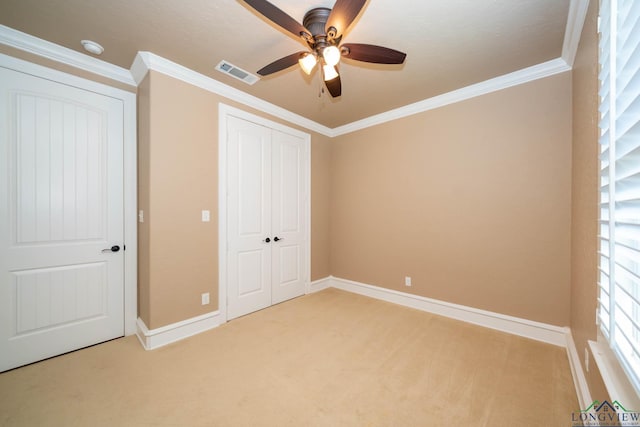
249 217
288 216
61 205
266 216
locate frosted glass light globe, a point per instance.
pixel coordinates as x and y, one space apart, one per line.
307 62
330 72
331 55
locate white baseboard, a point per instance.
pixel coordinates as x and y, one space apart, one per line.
579 380
320 284
526 328
154 338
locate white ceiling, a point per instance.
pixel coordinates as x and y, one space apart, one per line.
450 44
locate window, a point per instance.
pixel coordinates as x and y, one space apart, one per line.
619 283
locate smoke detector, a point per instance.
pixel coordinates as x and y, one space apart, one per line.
92 47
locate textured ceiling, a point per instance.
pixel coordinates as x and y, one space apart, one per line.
449 44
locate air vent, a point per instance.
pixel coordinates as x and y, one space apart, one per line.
236 73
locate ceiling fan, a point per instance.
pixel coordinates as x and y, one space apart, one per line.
322 30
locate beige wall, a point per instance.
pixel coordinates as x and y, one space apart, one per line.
389 201
181 180
584 214
471 200
320 206
178 173
144 176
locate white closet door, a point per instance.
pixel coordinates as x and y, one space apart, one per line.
249 217
266 216
288 224
61 204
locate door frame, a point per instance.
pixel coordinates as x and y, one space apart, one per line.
225 111
130 193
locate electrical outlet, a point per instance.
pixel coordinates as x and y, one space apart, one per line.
140 216
205 298
586 359
206 216
407 281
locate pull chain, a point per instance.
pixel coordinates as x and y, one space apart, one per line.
320 85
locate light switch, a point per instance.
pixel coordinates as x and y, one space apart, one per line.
206 216
141 216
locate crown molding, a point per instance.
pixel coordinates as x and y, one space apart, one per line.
535 72
148 61
139 68
28 43
573 30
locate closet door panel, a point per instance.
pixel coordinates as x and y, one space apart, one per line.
288 216
249 217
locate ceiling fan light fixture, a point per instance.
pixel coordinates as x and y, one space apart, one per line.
321 31
307 62
330 72
331 55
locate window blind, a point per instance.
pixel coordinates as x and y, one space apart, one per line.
619 233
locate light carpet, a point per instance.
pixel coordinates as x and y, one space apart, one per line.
328 359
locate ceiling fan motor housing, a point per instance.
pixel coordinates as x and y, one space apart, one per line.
315 21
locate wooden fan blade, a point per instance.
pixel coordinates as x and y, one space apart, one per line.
343 14
280 64
334 87
277 16
372 53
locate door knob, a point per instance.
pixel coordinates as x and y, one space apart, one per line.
275 239
267 240
114 248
